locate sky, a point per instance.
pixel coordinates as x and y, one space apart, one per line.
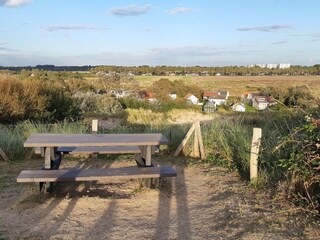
163 32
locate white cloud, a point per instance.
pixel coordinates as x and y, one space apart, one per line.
14 3
316 35
131 10
5 49
268 28
70 27
280 42
179 10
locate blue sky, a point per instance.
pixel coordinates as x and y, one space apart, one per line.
166 32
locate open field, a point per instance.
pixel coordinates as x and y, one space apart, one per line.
239 84
203 202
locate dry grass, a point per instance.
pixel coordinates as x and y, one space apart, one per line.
239 84
175 116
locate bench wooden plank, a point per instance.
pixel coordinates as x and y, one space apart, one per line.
94 174
84 140
105 150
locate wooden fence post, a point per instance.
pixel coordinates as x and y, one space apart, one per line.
94 131
4 156
185 140
94 125
197 142
255 147
198 132
195 150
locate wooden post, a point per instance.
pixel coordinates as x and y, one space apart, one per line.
148 153
47 157
4 156
47 165
185 140
94 131
198 132
95 126
255 146
195 151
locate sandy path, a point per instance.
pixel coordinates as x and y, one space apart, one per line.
201 203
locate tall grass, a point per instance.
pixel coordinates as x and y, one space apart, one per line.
12 137
228 141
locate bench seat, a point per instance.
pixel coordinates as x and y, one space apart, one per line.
102 150
95 174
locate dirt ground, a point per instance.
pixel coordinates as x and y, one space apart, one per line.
202 202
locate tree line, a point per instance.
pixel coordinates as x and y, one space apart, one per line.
179 70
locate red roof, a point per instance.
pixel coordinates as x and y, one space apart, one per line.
147 95
214 95
188 95
210 93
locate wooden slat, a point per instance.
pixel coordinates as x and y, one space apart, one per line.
185 140
94 174
87 140
199 136
106 150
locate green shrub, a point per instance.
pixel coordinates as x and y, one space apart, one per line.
302 164
60 105
101 104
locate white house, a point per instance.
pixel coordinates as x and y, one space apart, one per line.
173 96
248 97
260 102
192 98
121 93
217 97
238 107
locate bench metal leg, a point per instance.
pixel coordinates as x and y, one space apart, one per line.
45 188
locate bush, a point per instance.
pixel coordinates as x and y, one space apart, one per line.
303 162
97 103
60 105
35 100
136 103
21 100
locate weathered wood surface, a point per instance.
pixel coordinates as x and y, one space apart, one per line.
198 133
4 156
94 174
185 140
87 140
255 147
103 150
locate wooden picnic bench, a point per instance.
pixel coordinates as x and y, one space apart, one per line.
56 145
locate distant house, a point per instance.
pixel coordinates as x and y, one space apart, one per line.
263 102
238 107
121 93
149 96
192 98
218 97
192 74
173 96
209 107
247 97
